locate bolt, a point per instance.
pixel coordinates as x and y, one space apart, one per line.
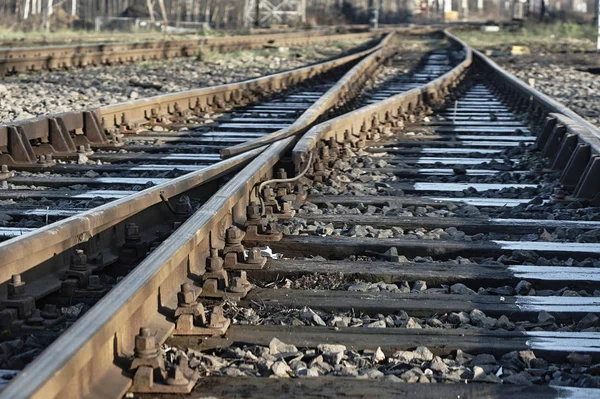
145 345
94 283
253 211
254 256
176 376
559 193
132 233
183 206
217 318
50 311
281 173
269 194
234 235
42 159
48 157
239 283
214 263
271 228
81 148
333 143
299 188
35 319
186 296
286 207
16 287
5 169
78 260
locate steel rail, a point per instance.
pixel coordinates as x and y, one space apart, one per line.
338 94
34 254
87 360
569 140
25 254
101 127
20 59
370 115
81 363
135 112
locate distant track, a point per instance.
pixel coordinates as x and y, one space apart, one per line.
21 59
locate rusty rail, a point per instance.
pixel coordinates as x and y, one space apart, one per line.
82 362
129 115
20 59
337 96
88 360
569 140
34 254
359 121
62 134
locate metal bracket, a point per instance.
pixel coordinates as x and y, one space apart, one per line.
190 317
150 371
19 311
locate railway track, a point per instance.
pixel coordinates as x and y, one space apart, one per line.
154 155
35 58
443 233
69 174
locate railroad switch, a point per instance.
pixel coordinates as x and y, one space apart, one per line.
191 319
151 375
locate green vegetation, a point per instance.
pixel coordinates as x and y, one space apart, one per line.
556 37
